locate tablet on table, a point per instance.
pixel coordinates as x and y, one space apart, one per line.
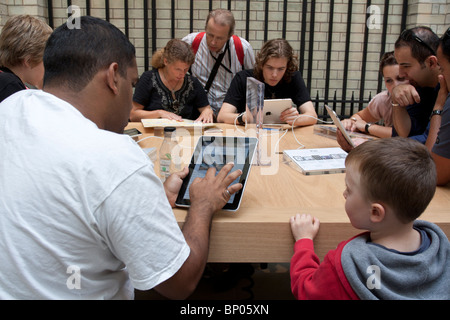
217 151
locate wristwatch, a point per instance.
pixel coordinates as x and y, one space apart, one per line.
366 128
436 113
239 119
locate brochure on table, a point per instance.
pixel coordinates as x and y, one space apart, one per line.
317 161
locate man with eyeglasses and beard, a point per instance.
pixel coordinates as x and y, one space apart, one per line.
415 52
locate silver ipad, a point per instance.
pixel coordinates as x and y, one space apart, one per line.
339 125
273 108
216 151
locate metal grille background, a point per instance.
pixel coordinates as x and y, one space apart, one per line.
344 105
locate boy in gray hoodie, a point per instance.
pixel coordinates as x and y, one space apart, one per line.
389 184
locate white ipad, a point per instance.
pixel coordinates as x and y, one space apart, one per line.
217 151
273 109
339 125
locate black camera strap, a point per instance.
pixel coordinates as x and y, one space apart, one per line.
216 68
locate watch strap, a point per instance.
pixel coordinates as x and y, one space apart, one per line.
436 113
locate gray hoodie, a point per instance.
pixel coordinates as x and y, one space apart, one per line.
375 272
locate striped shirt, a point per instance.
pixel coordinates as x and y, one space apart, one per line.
204 63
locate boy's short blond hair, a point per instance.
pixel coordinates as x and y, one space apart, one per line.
23 37
398 172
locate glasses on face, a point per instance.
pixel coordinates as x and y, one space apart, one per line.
408 35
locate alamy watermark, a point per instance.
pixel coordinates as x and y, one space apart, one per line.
74 22
374 280
267 150
374 20
74 280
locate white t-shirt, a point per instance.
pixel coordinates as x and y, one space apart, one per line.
82 213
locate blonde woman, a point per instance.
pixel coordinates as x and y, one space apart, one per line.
22 44
168 91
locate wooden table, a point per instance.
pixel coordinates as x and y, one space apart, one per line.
259 231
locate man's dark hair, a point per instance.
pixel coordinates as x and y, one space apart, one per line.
74 55
422 41
444 43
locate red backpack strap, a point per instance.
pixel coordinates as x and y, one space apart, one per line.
196 43
239 49
237 45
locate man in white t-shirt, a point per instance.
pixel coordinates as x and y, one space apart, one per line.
82 213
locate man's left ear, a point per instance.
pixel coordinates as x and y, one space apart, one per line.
112 77
432 60
378 212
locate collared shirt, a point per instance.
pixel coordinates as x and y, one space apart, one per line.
204 63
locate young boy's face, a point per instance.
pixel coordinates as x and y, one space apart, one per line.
357 206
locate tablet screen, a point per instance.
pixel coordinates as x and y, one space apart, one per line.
217 151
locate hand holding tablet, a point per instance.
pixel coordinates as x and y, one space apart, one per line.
273 108
217 152
339 125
